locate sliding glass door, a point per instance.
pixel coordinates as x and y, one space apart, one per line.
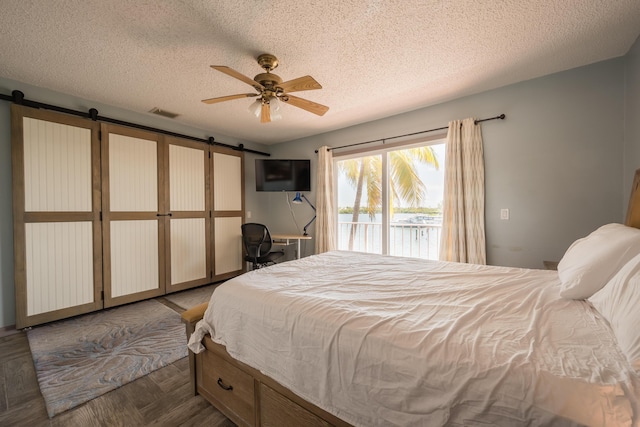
390 201
359 208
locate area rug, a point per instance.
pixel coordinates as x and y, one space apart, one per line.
79 359
192 297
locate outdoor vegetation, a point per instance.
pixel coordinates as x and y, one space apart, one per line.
364 174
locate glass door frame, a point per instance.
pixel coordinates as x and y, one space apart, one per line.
383 150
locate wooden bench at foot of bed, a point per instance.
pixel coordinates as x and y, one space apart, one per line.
243 394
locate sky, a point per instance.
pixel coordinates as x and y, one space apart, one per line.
433 179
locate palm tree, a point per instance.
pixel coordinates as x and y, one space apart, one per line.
405 184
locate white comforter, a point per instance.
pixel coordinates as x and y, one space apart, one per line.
380 340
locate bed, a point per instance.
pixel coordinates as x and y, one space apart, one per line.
345 338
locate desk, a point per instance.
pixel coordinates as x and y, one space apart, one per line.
286 239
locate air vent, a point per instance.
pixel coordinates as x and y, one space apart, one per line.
163 113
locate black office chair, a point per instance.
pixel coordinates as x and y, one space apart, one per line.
257 244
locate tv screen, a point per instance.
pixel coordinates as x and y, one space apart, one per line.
283 175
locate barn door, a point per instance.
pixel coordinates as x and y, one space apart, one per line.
188 238
134 208
228 212
56 207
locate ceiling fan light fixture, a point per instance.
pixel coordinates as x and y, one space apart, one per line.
255 108
274 103
274 106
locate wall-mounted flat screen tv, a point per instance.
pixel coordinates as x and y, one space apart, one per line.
283 175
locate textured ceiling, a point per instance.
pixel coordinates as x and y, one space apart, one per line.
373 58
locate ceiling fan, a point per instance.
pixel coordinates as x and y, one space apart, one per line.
271 89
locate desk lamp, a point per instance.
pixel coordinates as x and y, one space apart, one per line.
298 200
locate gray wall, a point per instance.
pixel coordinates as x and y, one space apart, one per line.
555 162
7 295
631 117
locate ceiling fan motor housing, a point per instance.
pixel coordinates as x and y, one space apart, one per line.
268 80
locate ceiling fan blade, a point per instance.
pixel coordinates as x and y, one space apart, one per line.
265 117
233 73
305 104
301 83
228 98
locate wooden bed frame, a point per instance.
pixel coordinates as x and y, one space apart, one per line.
243 394
249 398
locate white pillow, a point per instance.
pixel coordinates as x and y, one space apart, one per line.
590 262
619 303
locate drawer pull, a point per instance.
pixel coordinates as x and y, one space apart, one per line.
224 387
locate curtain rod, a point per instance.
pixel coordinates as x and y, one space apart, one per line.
18 98
501 117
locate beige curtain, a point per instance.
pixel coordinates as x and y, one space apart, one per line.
463 237
326 227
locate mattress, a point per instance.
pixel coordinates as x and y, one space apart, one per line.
380 340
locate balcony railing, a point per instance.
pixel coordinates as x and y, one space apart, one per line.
410 240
